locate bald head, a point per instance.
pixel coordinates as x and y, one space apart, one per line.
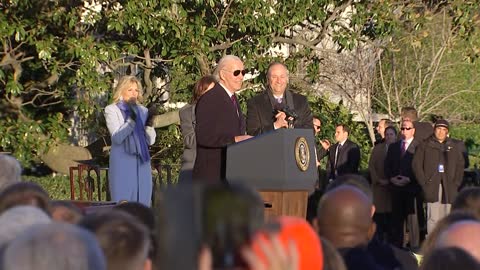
344 217
463 234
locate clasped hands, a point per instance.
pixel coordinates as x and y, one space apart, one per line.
400 180
281 120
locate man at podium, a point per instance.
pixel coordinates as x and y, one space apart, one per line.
219 121
277 107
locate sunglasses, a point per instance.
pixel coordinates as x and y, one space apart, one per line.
406 128
316 126
237 72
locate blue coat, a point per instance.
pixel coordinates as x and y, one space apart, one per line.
129 179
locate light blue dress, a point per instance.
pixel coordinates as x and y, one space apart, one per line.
129 179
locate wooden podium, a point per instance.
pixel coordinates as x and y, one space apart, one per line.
281 165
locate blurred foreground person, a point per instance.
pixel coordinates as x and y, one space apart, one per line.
55 246
10 171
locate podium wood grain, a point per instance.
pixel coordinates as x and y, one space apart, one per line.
285 203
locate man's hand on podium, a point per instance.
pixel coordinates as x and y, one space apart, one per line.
242 138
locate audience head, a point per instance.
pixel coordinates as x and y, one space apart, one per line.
24 193
462 234
354 180
63 211
344 217
440 130
124 241
58 246
128 88
468 199
409 113
390 135
230 72
407 130
317 123
341 133
10 171
277 78
205 83
18 219
382 125
448 258
145 216
454 216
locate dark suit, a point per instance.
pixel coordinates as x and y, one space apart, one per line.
217 124
348 159
260 112
407 199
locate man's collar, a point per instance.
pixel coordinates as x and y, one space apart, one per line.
230 94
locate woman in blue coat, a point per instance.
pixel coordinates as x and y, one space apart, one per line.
130 127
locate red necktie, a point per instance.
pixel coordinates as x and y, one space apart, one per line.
404 147
235 103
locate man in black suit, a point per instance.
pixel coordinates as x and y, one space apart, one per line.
343 156
405 191
219 121
268 110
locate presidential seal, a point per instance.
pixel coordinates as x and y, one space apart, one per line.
302 153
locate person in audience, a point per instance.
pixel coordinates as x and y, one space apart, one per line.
381 127
423 130
131 129
144 215
438 165
187 126
16 220
10 171
407 201
385 255
64 211
381 184
124 241
450 258
468 199
59 246
343 156
24 193
464 235
344 219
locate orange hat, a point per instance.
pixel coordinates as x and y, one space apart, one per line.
306 240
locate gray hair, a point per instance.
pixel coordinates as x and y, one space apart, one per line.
16 220
10 171
58 246
222 63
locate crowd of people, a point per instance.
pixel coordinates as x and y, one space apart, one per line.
409 213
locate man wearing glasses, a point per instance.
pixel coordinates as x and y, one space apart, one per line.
219 121
277 107
405 191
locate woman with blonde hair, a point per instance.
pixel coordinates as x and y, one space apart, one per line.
130 127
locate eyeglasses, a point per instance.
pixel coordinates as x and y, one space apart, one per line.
237 72
404 128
